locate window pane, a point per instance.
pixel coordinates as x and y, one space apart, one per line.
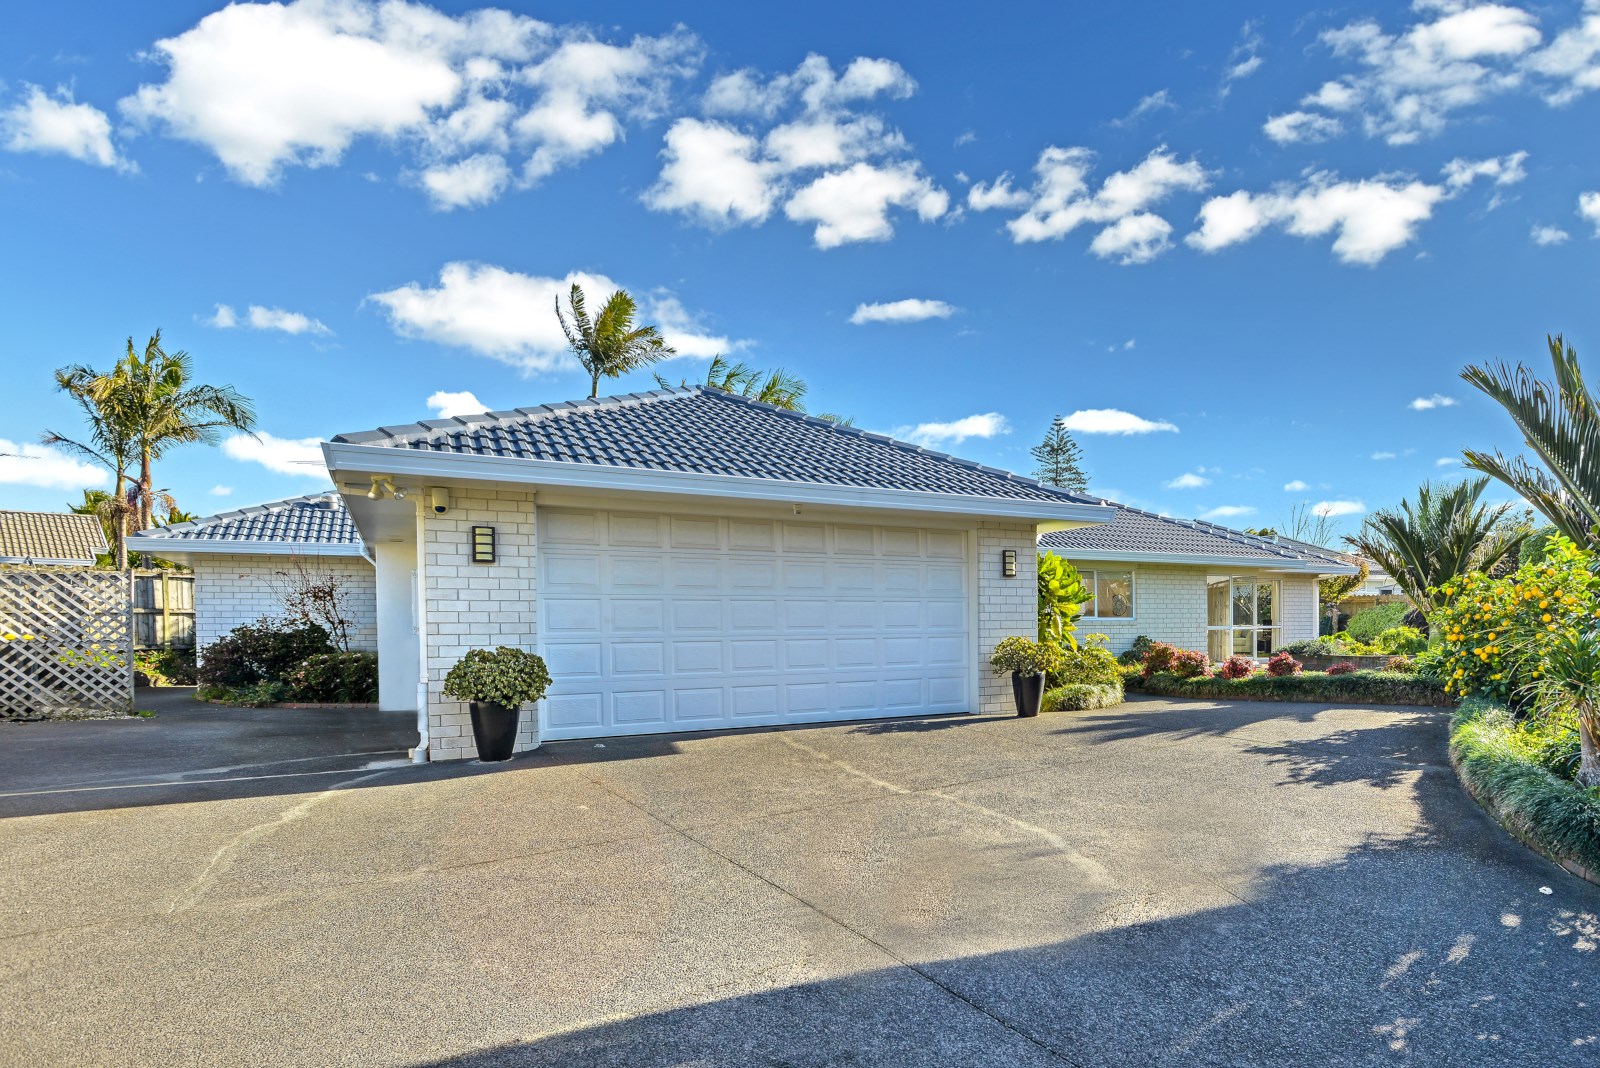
1115 599
1264 642
1217 602
1269 641
1244 603
1264 597
1090 610
1244 642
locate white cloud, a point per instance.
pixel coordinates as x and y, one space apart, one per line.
1548 235
511 316
1294 486
301 457
945 435
1370 217
1227 511
1436 400
287 321
1383 455
219 490
447 405
853 205
998 194
1244 68
59 125
1589 208
267 87
467 183
1187 480
1572 59
26 464
1244 60
901 311
1160 100
1301 127
1333 509
1113 421
1133 239
827 164
224 318
1501 170
1447 461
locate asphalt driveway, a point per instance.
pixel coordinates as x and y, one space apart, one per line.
1160 883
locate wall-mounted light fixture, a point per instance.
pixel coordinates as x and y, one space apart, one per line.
483 545
1008 563
383 486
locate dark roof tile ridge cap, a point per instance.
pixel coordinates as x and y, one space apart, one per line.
239 513
405 433
903 446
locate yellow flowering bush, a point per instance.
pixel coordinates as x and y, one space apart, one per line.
1494 629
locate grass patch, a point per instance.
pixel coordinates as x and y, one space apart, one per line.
1080 696
1552 815
1361 687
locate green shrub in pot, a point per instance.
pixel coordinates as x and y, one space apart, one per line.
497 683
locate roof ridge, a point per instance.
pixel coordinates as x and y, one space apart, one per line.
332 496
1217 530
426 429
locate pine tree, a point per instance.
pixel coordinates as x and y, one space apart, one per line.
1059 460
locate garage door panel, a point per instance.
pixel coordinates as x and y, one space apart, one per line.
657 623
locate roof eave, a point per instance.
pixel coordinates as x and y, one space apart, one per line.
1201 560
391 460
172 548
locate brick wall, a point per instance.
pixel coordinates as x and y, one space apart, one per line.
474 606
233 589
1006 606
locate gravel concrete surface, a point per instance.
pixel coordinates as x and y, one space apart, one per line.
1166 882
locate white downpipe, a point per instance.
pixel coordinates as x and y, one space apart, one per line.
419 614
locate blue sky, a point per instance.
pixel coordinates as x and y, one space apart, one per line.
1235 245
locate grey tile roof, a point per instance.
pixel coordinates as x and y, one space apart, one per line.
321 521
706 431
1136 532
50 536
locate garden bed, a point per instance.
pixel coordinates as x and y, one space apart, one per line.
1550 815
1360 687
1367 663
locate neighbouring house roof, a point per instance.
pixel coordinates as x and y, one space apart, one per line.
699 440
50 538
312 525
1139 536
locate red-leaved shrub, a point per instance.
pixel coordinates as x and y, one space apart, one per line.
1158 658
1283 664
1343 667
1190 664
1237 667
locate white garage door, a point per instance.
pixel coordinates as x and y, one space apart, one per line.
655 623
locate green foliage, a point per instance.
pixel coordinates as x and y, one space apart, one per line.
1314 647
1561 423
778 388
1532 551
1501 770
1024 656
1365 626
1078 697
261 694
166 667
505 675
1495 630
610 345
1089 664
1060 460
1401 641
1135 653
1335 589
1361 687
342 678
1062 596
1446 533
266 650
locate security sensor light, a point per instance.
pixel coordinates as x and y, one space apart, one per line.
439 497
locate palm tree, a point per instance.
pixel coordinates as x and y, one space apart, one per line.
778 388
1448 532
155 405
110 445
1561 424
610 345
103 506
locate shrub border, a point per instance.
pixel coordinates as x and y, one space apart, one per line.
1165 684
290 704
1088 696
1485 773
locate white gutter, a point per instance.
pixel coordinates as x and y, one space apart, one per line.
167 548
417 463
1263 563
419 755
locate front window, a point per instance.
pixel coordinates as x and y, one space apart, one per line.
1241 617
1113 594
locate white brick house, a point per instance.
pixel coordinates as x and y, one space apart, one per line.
688 560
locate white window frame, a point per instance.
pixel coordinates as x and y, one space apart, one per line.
1255 627
1090 578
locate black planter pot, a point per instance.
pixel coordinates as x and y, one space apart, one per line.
494 729
1028 691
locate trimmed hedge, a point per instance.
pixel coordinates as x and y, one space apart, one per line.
1361 687
1077 697
1549 814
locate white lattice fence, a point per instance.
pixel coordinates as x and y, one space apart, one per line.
66 641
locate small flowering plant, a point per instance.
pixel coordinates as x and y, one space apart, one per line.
1024 656
1497 631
